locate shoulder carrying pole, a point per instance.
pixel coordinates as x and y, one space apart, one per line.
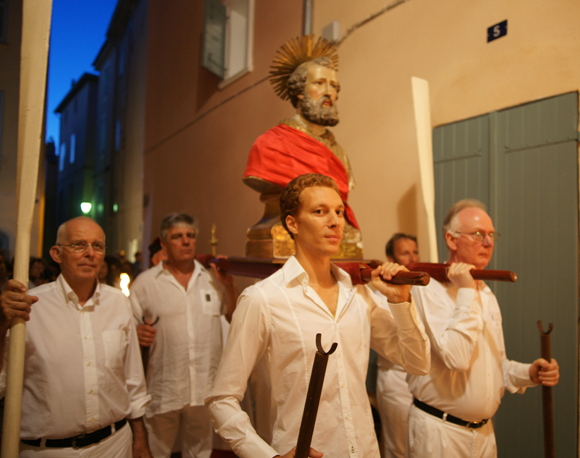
547 406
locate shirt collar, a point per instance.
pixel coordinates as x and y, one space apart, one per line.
71 296
293 271
199 268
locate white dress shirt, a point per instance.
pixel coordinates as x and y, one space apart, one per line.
469 369
83 368
187 348
275 324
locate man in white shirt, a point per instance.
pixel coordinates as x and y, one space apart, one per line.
83 376
454 403
393 396
275 326
177 305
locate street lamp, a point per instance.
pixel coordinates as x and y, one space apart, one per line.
86 207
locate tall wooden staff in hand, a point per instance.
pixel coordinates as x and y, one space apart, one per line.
547 406
36 16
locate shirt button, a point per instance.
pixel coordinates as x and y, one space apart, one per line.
89 363
86 337
91 392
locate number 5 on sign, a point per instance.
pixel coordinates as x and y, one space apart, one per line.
497 31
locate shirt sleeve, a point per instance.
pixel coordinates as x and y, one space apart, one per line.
134 298
247 343
398 335
134 375
453 330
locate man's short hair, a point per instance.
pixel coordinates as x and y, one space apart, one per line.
290 197
175 219
390 248
297 80
449 223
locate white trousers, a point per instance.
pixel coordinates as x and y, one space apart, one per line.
429 436
117 445
190 427
394 400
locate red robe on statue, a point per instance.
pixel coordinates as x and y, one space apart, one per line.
283 153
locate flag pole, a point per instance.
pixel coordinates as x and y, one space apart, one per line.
36 16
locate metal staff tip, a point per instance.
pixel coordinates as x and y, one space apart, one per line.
319 346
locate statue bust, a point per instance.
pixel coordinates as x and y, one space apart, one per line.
306 74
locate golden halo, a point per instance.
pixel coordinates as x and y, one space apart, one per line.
295 52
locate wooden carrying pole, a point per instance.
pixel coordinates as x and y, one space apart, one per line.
547 406
360 272
36 16
439 272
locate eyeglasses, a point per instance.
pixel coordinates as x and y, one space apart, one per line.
81 247
479 236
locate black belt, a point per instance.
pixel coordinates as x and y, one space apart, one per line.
80 441
450 418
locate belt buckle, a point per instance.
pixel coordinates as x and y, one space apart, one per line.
74 441
476 424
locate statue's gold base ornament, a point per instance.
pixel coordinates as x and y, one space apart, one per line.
304 71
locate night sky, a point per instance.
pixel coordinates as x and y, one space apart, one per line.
77 33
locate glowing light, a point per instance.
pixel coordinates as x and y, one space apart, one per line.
115 208
86 207
125 280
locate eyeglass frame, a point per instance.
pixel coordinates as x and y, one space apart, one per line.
493 236
86 246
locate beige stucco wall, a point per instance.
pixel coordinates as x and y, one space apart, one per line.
443 42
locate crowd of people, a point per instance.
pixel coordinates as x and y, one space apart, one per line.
446 339
115 377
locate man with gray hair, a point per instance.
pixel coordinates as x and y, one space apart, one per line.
83 376
454 403
177 306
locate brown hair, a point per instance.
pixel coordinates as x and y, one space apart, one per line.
290 197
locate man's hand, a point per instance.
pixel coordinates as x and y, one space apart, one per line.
15 303
311 454
459 273
544 372
140 442
394 293
224 279
146 333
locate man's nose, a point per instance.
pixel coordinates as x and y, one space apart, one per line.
487 240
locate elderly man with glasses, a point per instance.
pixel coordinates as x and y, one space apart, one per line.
83 375
454 403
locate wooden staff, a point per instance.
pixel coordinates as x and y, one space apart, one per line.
439 272
360 272
313 398
33 64
547 406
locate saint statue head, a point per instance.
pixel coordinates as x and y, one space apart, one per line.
304 71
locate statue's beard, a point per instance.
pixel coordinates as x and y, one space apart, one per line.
315 112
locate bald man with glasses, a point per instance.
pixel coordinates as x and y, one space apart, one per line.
84 389
453 405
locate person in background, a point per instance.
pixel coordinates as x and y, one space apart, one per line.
393 396
177 307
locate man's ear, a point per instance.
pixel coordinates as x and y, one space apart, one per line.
55 254
291 224
451 241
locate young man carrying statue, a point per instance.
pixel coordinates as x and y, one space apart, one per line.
275 325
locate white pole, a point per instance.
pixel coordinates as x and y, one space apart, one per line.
425 147
36 16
